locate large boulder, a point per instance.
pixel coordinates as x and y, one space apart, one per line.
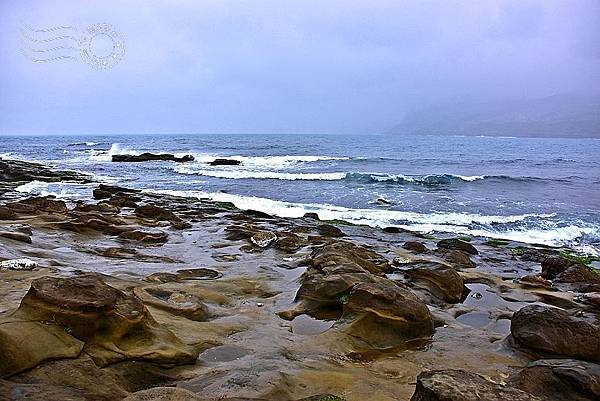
114 325
560 379
384 313
556 331
457 244
460 385
441 280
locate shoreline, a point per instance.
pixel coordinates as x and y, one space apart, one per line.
238 303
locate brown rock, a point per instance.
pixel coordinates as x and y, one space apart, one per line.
415 247
460 385
327 230
441 280
114 326
459 259
384 313
557 332
560 379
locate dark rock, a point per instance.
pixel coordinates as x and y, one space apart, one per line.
554 265
123 200
415 246
441 280
256 213
101 194
555 331
115 190
560 379
144 157
459 259
460 385
16 236
155 212
7 214
579 278
15 171
311 215
394 230
225 162
457 244
327 230
322 397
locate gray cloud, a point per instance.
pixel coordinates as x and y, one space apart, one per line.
293 66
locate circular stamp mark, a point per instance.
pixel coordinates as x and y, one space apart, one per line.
101 46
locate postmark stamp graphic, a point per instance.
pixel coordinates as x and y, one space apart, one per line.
99 45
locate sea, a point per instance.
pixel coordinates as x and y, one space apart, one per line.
533 190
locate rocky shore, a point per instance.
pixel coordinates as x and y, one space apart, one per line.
133 295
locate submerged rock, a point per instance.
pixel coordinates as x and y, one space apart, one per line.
556 331
145 236
460 385
144 157
560 379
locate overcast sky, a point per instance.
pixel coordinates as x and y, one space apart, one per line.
322 66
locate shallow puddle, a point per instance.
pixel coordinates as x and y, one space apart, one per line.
307 325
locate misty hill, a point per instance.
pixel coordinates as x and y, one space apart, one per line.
555 116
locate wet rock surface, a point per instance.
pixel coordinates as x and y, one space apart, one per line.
459 385
118 293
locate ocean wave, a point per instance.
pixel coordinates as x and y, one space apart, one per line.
267 175
526 228
115 149
83 144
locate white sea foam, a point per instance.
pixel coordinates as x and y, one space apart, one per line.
248 174
64 190
115 149
459 223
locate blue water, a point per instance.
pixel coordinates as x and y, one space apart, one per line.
527 189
